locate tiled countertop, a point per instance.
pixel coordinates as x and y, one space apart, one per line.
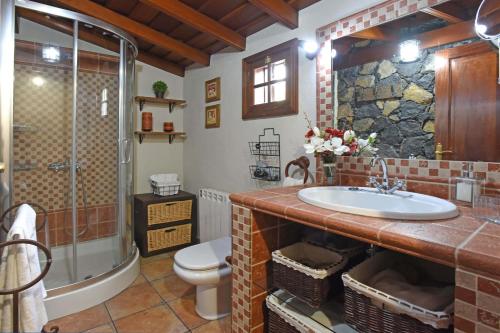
459 242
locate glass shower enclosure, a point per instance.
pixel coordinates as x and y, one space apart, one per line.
66 134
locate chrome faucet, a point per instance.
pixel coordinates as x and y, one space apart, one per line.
62 166
384 187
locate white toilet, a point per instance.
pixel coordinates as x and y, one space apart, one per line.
204 265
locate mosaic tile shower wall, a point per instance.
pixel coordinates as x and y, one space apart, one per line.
42 135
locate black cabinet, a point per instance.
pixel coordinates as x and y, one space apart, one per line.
164 224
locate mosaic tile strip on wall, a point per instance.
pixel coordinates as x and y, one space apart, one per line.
476 303
241 246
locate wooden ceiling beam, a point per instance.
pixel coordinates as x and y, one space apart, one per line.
374 33
442 15
449 34
451 12
98 40
137 29
199 21
280 10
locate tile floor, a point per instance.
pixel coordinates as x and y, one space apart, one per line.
158 301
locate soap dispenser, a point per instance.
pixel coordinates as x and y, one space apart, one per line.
466 186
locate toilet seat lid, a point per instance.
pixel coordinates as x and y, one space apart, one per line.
205 256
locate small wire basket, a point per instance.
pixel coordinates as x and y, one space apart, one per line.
165 189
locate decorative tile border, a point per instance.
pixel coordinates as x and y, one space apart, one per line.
241 245
477 303
421 170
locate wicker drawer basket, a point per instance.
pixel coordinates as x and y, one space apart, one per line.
172 211
287 314
310 272
371 310
169 237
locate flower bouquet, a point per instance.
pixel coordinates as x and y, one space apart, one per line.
332 142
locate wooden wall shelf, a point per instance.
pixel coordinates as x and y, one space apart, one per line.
172 103
171 135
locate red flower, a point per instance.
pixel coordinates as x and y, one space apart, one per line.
353 147
335 132
309 133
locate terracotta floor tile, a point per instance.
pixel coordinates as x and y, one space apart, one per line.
156 269
215 326
172 287
139 280
108 328
184 308
132 300
81 321
159 319
157 257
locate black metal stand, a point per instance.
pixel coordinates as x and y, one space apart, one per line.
16 240
268 167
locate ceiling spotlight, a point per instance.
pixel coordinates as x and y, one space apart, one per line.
409 50
51 54
311 48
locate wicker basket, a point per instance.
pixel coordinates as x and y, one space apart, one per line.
165 184
311 273
171 211
169 237
371 310
289 314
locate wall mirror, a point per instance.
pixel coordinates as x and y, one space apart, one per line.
426 83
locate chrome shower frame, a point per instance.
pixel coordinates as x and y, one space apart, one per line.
7 45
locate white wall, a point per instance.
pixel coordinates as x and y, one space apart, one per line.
153 155
219 158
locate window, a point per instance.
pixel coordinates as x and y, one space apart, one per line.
270 82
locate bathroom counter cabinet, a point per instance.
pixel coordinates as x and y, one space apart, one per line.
164 224
264 221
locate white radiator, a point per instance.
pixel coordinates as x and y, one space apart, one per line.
215 214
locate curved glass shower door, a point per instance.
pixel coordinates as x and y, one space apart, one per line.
72 138
42 134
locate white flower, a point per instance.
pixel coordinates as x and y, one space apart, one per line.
373 136
341 150
349 136
362 143
316 141
328 145
336 142
316 145
316 131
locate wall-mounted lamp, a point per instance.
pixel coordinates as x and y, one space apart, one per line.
409 50
333 53
310 47
51 54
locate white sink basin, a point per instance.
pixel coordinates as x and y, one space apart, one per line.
369 202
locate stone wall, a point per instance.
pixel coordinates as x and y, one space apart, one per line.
394 99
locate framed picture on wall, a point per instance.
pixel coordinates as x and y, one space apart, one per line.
212 90
212 116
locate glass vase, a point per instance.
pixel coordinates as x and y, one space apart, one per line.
329 166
